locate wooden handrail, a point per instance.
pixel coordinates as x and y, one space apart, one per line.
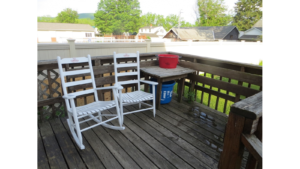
244 129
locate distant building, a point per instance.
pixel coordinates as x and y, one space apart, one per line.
204 33
156 33
57 32
252 34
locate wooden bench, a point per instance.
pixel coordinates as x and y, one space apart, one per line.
243 130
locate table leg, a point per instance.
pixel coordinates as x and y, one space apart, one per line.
158 94
181 88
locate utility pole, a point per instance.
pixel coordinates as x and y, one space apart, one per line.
179 18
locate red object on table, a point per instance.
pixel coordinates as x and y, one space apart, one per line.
168 61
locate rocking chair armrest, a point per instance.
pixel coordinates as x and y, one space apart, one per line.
149 82
69 96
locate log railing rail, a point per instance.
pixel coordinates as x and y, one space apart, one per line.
243 130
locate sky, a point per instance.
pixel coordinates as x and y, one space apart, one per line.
162 7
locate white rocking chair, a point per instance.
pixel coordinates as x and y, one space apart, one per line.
136 96
75 114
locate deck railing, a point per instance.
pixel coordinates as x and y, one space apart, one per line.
217 83
243 130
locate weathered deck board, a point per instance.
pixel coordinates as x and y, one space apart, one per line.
173 139
124 159
129 147
202 158
42 158
67 147
54 154
166 141
89 157
158 159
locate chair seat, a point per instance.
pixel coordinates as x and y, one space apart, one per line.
136 96
94 107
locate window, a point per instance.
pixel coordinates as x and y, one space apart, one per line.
88 34
231 36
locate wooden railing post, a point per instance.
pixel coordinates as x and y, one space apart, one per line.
72 48
148 41
244 129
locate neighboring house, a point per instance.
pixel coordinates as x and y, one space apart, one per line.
204 33
59 32
156 33
252 34
97 32
176 34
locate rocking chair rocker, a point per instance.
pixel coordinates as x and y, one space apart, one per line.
92 111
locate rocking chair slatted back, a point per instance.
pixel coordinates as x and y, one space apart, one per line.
63 74
123 65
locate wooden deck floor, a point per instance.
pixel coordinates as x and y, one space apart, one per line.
178 137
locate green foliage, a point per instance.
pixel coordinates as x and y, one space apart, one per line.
191 96
148 37
67 16
46 19
212 13
260 63
158 20
247 13
117 17
86 21
151 18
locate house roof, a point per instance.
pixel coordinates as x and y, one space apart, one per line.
249 37
219 31
258 23
259 28
193 34
45 26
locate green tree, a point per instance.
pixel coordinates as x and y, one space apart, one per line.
86 21
118 16
213 13
151 18
247 13
46 18
67 16
158 20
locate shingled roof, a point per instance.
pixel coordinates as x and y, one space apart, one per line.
45 26
250 37
193 34
219 31
259 28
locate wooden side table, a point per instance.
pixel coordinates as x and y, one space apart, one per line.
163 75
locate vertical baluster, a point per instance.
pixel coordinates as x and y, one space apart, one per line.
237 96
203 91
225 105
209 95
217 100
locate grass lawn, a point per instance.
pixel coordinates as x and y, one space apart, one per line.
214 98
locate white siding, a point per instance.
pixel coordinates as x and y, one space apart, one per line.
45 36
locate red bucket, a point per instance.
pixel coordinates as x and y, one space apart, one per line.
168 61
